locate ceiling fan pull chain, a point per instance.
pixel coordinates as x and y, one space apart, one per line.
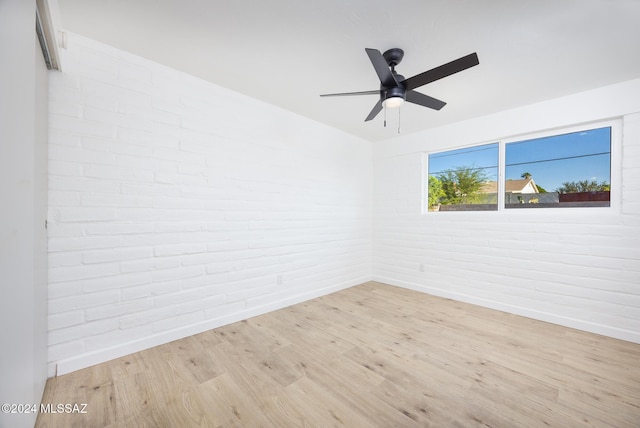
399 120
385 115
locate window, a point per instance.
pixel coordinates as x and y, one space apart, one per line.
568 170
463 179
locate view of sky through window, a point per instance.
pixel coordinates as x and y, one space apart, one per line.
554 160
551 161
479 157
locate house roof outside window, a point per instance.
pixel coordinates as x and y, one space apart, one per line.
525 185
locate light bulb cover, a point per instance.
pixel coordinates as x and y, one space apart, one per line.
394 97
393 102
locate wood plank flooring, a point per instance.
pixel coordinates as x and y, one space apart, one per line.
369 356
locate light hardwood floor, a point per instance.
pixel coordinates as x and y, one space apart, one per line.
369 356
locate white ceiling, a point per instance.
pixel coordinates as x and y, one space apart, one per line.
287 52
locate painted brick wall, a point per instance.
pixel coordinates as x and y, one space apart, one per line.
576 267
176 206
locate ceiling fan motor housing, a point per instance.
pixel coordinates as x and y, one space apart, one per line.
398 91
395 92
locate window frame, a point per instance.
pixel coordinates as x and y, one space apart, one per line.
615 201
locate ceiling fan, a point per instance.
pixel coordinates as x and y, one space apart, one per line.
395 89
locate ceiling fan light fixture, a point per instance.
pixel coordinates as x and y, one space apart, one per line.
394 97
393 102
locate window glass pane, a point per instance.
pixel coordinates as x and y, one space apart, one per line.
464 179
569 170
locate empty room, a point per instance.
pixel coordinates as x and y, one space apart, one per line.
316 214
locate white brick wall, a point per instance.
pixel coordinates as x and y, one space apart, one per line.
174 205
576 267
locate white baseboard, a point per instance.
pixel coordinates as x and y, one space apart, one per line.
78 362
617 333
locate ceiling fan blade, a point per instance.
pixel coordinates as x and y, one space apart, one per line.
424 100
374 111
442 71
381 67
342 94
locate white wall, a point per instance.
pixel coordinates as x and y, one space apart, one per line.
176 206
23 153
575 267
